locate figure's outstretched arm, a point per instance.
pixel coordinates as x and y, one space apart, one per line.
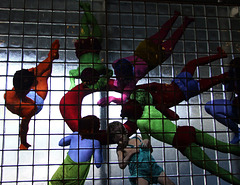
74 73
147 144
102 82
65 141
125 155
109 73
111 99
121 100
98 159
125 94
120 155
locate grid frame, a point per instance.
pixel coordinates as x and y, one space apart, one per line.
29 27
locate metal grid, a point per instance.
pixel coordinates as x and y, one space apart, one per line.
27 29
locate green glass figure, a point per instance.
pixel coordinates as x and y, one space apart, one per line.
187 139
88 47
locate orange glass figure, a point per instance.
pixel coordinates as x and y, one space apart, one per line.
30 88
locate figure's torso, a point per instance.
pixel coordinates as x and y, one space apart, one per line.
21 107
155 124
91 60
81 150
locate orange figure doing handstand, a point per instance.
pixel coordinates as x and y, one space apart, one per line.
30 88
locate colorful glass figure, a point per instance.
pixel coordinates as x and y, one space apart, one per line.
83 146
187 139
88 47
30 89
183 86
149 54
136 153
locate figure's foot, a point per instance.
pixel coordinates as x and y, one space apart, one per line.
188 20
24 146
236 138
221 52
53 54
85 6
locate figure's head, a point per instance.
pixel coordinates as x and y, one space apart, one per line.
118 133
88 126
132 110
234 75
90 76
142 96
124 71
23 80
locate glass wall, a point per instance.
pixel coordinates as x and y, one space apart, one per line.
27 29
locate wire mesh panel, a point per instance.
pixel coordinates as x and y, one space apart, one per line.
27 30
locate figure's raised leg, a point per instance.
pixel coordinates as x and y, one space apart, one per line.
166 27
192 65
91 20
207 83
47 63
208 141
42 84
84 30
84 34
169 45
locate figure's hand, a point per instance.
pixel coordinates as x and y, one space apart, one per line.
53 54
120 145
105 101
146 143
